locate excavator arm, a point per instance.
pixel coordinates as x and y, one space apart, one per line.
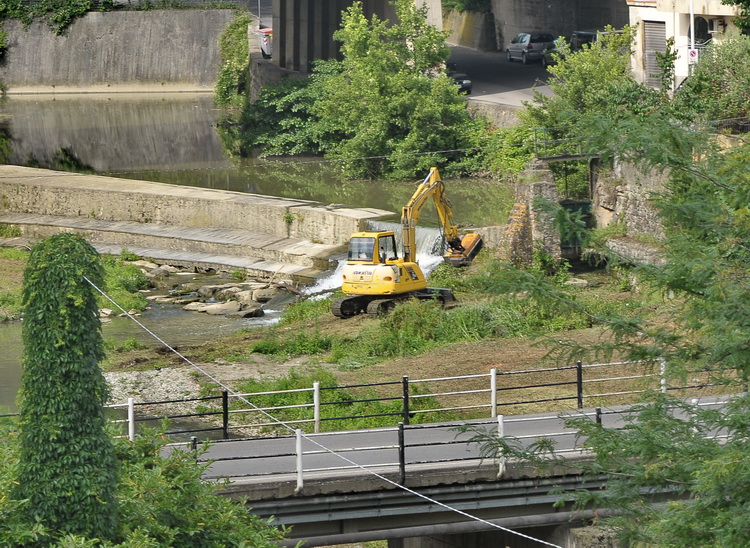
462 250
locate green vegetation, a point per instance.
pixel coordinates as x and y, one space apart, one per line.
123 282
387 107
67 467
64 480
358 404
161 501
232 82
701 325
467 5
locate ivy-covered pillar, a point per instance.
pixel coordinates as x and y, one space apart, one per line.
68 466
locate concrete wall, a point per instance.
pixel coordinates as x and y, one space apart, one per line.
45 192
157 50
560 17
470 29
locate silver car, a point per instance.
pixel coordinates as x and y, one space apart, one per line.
528 46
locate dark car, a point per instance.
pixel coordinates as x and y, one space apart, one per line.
550 54
528 46
461 79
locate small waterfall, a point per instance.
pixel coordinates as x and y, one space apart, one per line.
430 248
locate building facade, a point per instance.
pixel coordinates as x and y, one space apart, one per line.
692 23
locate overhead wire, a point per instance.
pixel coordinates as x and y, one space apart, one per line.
279 422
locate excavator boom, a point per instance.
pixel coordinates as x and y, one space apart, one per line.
462 249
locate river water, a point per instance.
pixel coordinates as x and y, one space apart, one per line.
173 138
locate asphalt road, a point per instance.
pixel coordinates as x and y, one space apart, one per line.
497 80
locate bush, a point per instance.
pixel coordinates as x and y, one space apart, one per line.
161 501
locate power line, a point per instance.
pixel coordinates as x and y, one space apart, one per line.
311 440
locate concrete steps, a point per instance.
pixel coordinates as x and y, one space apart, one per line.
260 255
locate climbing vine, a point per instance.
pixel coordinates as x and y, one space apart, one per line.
67 466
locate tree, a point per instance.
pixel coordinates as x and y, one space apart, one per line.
743 21
67 470
718 87
387 107
698 323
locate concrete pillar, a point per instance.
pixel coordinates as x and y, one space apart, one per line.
303 29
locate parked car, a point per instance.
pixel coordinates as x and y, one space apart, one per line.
462 80
528 46
579 38
550 54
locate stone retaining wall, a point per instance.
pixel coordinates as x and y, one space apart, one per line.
154 50
45 192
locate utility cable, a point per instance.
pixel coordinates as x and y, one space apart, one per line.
311 440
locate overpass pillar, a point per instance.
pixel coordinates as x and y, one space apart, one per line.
303 29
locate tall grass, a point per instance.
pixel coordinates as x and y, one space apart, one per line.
342 408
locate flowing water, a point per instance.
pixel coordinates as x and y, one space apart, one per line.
174 139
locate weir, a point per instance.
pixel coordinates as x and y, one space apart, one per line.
268 237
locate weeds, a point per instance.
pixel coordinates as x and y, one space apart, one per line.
342 408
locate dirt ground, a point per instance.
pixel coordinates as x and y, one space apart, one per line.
135 370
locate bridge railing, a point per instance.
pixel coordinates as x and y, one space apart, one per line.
400 451
485 395
394 451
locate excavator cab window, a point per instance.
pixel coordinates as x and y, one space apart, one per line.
387 248
360 249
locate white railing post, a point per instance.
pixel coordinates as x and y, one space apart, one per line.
298 449
493 391
316 406
663 374
131 419
500 435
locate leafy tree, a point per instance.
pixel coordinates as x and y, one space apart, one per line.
743 21
67 469
387 107
718 88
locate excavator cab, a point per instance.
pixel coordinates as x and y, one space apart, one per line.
373 247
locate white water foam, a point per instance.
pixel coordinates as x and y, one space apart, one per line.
430 246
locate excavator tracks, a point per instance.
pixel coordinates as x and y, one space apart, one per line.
346 307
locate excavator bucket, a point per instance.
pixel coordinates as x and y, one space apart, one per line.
471 244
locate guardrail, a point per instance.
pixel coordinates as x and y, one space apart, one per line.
401 449
423 400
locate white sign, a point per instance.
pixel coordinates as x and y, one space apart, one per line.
693 55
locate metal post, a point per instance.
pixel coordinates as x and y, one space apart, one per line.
193 443
316 406
599 415
225 414
493 391
500 434
579 382
131 419
405 390
298 449
663 374
401 455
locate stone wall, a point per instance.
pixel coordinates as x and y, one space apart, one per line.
45 192
624 196
154 50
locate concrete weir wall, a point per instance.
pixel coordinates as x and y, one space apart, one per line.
52 193
153 50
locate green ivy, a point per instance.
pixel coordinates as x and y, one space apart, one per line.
232 82
67 467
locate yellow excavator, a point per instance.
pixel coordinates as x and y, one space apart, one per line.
375 278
